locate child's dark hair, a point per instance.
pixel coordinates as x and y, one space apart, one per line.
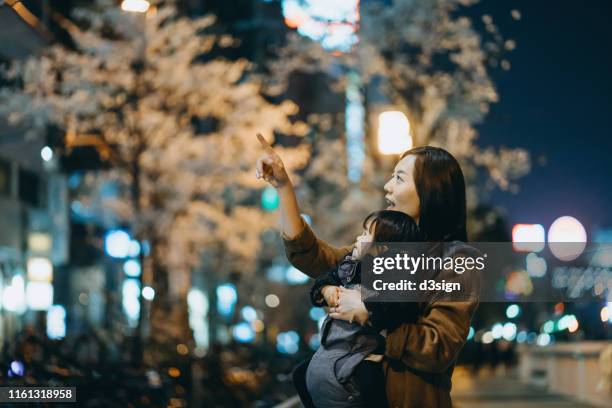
393 226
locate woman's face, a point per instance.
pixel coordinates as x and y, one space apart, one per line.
401 194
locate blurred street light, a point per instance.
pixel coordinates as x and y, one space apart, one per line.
40 242
39 290
117 243
471 334
509 331
148 293
135 6
334 23
226 299
198 305
535 265
528 237
46 153
568 322
13 295
269 199
567 238
287 342
394 136
16 369
40 269
243 332
605 314
132 268
543 340
316 313
130 292
56 322
39 295
497 331
257 325
248 313
513 311
272 300
295 277
548 327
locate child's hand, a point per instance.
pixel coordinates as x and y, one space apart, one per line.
350 307
330 294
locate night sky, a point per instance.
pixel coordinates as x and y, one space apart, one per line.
556 101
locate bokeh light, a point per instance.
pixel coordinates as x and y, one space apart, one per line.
513 311
148 293
56 322
131 268
272 300
248 313
39 295
117 243
528 237
226 299
567 238
536 266
243 333
394 135
135 6
46 153
287 342
331 22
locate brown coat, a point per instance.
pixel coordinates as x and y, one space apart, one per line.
419 357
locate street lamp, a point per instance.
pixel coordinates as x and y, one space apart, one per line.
135 6
567 238
528 237
394 135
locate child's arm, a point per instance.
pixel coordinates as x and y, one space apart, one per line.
385 314
325 289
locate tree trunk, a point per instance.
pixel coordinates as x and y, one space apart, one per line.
169 317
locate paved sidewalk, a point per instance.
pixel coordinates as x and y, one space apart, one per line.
503 391
489 390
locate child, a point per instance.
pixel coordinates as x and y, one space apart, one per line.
346 371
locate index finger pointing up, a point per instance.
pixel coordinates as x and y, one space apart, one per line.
264 143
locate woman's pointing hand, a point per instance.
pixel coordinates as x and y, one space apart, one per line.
270 166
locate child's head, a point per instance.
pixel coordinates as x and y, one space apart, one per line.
386 226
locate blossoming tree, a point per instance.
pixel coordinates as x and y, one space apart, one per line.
177 122
426 59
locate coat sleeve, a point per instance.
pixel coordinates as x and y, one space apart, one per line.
328 278
433 343
312 255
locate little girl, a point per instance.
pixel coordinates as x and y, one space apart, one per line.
346 369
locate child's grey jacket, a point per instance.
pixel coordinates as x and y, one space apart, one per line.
330 373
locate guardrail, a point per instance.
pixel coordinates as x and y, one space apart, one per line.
572 369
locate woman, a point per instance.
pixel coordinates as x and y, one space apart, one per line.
427 184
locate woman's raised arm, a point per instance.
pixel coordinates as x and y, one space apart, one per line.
304 250
272 169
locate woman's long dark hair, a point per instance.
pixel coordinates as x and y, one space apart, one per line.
441 189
